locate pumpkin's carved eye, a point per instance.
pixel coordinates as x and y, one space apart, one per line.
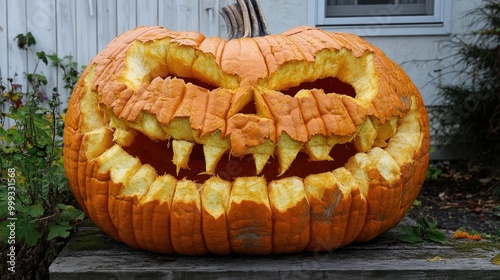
196 82
328 85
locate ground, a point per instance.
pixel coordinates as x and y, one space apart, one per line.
460 196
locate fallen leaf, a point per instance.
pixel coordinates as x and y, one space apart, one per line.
436 258
461 234
496 260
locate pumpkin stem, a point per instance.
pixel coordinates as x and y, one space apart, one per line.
244 19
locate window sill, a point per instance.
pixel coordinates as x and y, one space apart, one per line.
368 30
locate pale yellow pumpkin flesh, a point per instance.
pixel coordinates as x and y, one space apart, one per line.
308 140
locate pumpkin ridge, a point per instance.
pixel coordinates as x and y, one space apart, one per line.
218 106
159 196
215 202
173 96
333 113
186 229
310 114
290 210
286 115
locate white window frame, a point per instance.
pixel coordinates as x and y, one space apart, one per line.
383 24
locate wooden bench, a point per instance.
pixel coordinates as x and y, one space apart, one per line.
94 255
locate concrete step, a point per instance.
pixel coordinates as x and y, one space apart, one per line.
94 255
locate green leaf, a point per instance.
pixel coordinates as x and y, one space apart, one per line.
30 39
425 223
417 203
4 231
55 59
27 230
412 235
438 237
25 41
62 229
410 239
70 213
40 120
43 57
35 210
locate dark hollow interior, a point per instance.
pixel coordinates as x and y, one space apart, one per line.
159 155
328 85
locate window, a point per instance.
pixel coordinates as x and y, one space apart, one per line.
382 17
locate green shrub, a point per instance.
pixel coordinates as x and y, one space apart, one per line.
470 115
36 200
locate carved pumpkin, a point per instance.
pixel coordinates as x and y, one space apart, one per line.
308 140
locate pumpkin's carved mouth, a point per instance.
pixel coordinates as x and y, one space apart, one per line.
159 154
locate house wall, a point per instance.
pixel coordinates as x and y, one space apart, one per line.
424 58
81 28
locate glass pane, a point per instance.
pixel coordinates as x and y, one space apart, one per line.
367 8
340 2
375 2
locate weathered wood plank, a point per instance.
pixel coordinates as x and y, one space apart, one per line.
383 258
86 28
147 12
4 54
41 22
16 22
66 40
106 22
4 46
126 16
169 12
209 18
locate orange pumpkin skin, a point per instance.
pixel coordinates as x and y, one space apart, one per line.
308 140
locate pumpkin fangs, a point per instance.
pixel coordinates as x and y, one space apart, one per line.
159 154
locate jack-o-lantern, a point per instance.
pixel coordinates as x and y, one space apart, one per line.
308 140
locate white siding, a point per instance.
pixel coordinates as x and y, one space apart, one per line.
3 39
82 28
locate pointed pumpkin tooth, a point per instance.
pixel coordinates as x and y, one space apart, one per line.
386 131
182 150
140 182
124 137
180 128
318 148
261 154
287 151
214 147
365 137
149 125
260 162
212 156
